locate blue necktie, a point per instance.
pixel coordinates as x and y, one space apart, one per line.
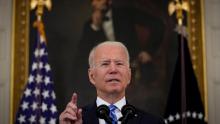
112 113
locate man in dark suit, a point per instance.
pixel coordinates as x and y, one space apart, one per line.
110 74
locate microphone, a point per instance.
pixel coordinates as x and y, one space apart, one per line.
103 112
128 112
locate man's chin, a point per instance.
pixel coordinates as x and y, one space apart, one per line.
115 91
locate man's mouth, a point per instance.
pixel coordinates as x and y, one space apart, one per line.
113 80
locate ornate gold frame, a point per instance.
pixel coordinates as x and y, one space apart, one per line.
20 53
20 49
197 46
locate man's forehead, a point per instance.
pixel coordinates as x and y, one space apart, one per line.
107 49
108 59
107 45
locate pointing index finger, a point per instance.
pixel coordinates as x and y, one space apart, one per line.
74 99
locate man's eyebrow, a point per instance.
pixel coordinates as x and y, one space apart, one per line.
105 60
119 60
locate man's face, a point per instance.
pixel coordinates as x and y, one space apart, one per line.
101 4
111 72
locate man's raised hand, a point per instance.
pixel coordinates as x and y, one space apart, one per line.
72 114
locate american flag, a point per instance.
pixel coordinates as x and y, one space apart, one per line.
37 105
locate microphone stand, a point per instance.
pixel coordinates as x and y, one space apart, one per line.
128 112
103 112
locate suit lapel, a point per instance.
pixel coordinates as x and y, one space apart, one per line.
89 114
135 120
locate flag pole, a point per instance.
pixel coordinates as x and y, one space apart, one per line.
39 6
183 78
178 7
38 23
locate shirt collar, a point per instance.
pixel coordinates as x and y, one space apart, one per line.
119 104
109 13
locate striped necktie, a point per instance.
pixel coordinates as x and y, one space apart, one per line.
112 113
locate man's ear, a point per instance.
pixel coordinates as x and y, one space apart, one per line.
129 76
91 76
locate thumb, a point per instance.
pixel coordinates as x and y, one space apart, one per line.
79 114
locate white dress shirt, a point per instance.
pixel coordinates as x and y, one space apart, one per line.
119 104
108 26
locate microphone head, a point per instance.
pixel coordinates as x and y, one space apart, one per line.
102 111
128 110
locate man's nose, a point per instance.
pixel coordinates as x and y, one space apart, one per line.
113 68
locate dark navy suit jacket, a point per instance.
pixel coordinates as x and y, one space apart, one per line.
89 117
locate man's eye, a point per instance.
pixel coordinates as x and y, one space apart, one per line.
120 63
104 64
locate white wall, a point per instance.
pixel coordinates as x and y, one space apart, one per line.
212 35
5 46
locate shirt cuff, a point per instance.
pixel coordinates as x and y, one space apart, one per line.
94 27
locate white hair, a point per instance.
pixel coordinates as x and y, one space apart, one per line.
114 43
